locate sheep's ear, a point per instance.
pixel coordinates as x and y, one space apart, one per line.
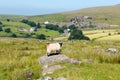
60 43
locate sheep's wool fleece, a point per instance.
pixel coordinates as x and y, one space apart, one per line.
53 47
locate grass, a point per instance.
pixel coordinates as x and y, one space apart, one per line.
18 56
111 34
98 13
111 38
50 18
14 26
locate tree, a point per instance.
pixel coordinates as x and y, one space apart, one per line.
38 25
8 20
14 35
1 24
61 29
72 27
77 34
8 30
24 21
52 27
41 36
1 28
31 23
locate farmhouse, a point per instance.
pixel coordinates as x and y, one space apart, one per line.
46 22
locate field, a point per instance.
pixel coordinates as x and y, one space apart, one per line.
20 55
103 35
17 56
16 25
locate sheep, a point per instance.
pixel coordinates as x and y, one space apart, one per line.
54 48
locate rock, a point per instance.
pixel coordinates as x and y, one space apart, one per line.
50 78
46 78
60 78
112 50
51 69
45 60
75 61
87 61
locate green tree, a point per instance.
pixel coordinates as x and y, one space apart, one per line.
24 21
8 30
31 23
72 27
14 35
1 24
1 28
8 20
78 35
52 27
38 25
41 36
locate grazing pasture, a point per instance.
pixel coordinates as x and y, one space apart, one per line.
111 35
18 56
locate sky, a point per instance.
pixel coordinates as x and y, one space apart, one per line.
40 7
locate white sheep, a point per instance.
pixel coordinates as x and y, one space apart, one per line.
53 48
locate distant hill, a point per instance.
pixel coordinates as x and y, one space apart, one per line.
112 13
11 17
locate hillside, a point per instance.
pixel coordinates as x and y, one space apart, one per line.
98 13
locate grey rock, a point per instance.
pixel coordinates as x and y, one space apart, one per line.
46 60
112 50
46 78
75 61
60 78
87 61
51 69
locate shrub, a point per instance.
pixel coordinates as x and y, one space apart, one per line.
52 27
8 20
77 34
1 24
109 34
14 35
31 23
38 25
1 28
41 36
27 35
8 30
72 27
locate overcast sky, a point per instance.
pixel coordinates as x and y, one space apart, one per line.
38 7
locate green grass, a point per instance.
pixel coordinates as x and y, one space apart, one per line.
14 26
50 18
18 56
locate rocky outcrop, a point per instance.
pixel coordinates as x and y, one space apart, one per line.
47 61
49 64
51 69
50 78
